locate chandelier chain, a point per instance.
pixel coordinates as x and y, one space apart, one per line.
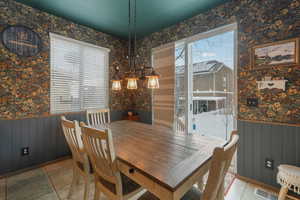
129 34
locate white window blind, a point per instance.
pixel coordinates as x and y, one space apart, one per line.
79 75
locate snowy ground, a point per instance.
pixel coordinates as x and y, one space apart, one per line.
214 124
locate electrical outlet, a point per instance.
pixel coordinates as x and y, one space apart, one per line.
253 102
25 151
269 163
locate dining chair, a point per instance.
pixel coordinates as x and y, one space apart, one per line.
200 183
97 117
80 161
214 189
108 179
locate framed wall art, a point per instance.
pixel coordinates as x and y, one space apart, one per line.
280 53
21 40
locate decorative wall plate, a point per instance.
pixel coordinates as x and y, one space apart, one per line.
279 84
21 40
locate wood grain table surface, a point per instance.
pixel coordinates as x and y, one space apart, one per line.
166 157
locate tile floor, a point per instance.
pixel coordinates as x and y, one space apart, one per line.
52 182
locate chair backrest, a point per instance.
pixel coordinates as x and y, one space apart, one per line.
72 134
220 163
99 147
97 117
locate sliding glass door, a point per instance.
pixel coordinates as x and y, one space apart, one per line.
179 92
205 92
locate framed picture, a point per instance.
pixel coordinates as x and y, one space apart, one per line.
280 53
21 40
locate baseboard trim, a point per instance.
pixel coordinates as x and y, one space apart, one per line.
263 186
34 167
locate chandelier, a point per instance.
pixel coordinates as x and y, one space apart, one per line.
116 80
134 74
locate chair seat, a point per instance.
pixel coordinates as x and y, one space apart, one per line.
192 194
127 184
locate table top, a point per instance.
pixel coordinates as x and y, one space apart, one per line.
161 154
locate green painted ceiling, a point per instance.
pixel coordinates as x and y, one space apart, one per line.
111 16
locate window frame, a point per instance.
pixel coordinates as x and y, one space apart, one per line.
186 43
189 84
85 44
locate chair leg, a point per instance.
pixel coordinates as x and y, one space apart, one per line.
97 193
86 188
75 180
282 194
220 195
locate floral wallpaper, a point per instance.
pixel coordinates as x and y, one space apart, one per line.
25 81
258 22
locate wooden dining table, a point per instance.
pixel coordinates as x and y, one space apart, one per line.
162 161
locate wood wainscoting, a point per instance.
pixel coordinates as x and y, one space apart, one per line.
259 141
42 135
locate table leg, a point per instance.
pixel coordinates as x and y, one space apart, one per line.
220 195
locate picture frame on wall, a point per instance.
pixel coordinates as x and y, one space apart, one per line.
21 40
281 53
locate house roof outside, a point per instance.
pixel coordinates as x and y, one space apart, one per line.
203 67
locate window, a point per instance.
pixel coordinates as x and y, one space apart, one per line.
79 75
205 80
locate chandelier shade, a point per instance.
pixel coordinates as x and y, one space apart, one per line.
153 80
116 85
132 83
116 80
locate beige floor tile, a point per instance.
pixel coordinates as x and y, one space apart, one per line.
78 193
61 175
31 185
50 196
2 189
236 190
65 164
25 175
249 193
60 178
